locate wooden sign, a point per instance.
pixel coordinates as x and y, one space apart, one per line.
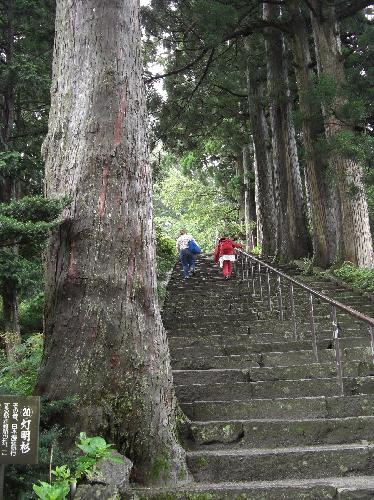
19 429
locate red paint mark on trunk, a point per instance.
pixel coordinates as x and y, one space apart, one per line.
114 360
104 187
72 269
94 332
118 125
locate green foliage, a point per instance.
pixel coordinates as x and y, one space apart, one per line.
362 278
31 314
93 449
181 201
33 208
56 491
19 376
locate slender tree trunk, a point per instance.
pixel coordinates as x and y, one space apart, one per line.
104 339
8 187
240 174
249 198
356 234
323 198
266 213
293 239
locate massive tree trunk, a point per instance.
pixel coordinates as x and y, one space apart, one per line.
265 209
348 172
104 339
249 198
323 199
293 239
7 182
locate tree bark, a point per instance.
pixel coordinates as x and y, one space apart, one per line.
9 294
323 198
104 339
357 240
292 236
249 198
265 209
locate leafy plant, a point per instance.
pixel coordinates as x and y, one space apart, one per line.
55 491
362 278
94 449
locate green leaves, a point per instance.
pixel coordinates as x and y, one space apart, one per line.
56 491
94 449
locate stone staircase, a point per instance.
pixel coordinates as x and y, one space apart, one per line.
267 420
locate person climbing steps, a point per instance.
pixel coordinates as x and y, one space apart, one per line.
225 254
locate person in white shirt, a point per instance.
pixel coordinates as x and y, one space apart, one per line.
187 258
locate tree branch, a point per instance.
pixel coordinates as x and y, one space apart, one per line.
346 9
178 70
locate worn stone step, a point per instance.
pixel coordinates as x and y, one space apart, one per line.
279 409
269 359
284 463
242 391
338 488
256 374
227 347
312 370
266 433
217 376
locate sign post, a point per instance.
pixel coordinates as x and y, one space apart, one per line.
19 432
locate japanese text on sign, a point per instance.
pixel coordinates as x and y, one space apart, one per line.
19 429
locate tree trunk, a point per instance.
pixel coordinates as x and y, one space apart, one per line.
323 199
7 185
348 173
249 198
265 209
104 339
292 237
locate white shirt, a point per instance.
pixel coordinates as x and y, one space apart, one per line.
182 241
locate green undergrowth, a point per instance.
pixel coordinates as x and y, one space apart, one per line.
361 278
353 276
19 376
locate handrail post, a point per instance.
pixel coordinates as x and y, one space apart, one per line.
260 280
339 369
269 288
280 299
313 328
371 332
253 279
293 313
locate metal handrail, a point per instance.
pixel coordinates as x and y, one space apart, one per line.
312 293
333 302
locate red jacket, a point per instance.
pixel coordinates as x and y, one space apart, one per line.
225 246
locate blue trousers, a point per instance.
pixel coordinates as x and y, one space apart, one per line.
187 260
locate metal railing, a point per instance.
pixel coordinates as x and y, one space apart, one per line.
252 266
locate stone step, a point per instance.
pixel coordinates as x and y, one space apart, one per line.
257 374
283 463
280 409
337 488
247 361
227 348
242 391
266 433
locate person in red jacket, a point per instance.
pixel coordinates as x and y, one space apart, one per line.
225 254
